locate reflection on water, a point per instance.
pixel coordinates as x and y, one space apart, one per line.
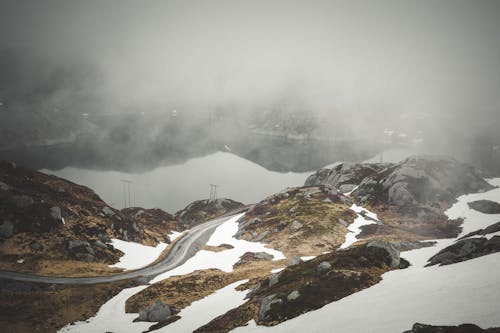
173 187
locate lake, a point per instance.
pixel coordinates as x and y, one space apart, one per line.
173 187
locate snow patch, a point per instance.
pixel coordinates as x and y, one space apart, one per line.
223 260
355 227
174 235
136 255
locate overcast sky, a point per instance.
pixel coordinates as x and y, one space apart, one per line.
335 56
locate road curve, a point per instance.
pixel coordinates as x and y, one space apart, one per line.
182 250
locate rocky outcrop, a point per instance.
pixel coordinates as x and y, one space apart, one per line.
155 313
53 215
416 180
464 328
307 286
466 249
485 206
391 251
344 177
203 210
495 227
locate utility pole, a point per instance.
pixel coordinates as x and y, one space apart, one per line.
213 192
126 192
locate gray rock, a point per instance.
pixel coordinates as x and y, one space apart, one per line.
400 196
324 266
293 296
343 222
108 211
263 255
295 260
85 257
35 246
346 188
155 313
295 226
262 236
55 213
485 206
100 244
391 250
4 187
265 306
6 229
274 278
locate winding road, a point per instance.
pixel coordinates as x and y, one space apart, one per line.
184 248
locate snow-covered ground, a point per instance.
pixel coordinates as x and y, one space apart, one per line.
136 255
223 260
173 235
112 317
466 292
355 227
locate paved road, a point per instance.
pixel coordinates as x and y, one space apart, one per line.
184 249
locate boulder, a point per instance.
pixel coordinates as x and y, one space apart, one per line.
485 206
466 249
6 229
108 211
295 226
324 266
274 278
159 311
346 188
293 296
295 260
390 249
35 246
265 306
55 213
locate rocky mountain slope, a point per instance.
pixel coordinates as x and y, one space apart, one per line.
410 196
49 225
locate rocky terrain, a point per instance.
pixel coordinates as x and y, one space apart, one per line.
305 286
410 196
51 226
299 221
203 210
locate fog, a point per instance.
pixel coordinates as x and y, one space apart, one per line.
427 69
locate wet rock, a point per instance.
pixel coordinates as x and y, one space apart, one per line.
35 246
485 206
295 260
265 306
295 226
391 250
155 313
6 229
324 266
293 296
